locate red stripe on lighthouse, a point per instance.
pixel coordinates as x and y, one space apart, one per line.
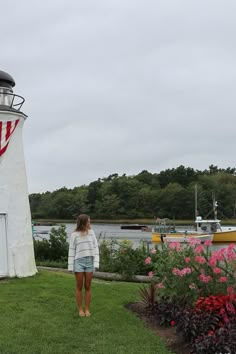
0 135
6 131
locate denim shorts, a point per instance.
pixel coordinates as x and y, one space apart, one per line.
84 264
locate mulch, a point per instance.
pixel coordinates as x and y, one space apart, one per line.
174 342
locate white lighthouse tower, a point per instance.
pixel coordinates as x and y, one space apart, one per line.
16 241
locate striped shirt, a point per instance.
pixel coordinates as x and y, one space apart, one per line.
83 245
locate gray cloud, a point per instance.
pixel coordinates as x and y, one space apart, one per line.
121 86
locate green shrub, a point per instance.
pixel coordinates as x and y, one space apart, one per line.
54 249
120 257
53 264
41 249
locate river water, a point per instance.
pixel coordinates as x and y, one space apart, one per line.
113 232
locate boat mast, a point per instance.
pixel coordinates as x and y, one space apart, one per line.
215 205
196 211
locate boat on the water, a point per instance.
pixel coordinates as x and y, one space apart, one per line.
185 238
220 233
203 227
133 227
164 230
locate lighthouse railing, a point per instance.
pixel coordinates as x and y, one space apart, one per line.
11 100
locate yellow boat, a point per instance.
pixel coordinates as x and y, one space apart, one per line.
220 233
163 231
181 238
203 227
213 226
178 237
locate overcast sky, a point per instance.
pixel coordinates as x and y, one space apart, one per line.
121 86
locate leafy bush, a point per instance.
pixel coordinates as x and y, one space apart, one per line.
225 305
54 249
148 294
222 340
58 243
194 269
206 315
207 333
166 310
162 309
120 257
52 264
193 324
42 250
106 251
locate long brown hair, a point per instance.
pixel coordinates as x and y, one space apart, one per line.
82 223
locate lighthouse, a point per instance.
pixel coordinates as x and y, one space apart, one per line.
16 241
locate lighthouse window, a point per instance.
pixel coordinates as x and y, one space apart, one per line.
5 97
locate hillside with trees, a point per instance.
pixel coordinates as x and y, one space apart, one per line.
170 193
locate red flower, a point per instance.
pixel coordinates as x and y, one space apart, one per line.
172 323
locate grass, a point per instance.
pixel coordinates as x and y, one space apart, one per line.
53 264
39 316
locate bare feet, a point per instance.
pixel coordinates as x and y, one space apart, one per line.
87 313
81 313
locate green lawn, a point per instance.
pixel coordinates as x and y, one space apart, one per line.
38 315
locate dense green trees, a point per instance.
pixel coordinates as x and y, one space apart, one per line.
171 193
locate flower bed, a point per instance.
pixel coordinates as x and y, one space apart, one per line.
196 292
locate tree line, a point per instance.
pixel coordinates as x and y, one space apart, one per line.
170 193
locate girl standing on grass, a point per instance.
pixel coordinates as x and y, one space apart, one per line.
83 259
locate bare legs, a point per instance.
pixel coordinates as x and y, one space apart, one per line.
87 285
83 279
78 294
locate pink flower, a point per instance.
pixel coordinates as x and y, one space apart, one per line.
200 259
160 286
192 286
208 243
175 245
205 278
231 254
150 274
187 259
172 323
175 271
223 279
153 251
181 273
186 270
199 249
212 261
230 290
230 308
217 270
148 260
193 242
231 247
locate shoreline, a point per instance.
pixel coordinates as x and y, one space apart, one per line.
52 222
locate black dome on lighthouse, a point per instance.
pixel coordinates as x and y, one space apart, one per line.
6 79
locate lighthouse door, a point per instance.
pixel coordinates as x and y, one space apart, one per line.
3 246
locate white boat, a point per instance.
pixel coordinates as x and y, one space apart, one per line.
213 226
203 227
185 238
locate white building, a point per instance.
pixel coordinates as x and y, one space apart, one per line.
16 240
